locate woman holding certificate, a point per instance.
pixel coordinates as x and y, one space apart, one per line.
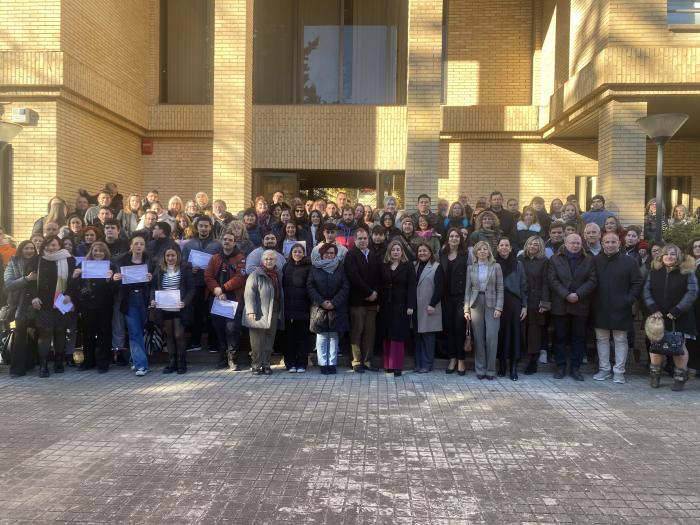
96 298
134 272
171 293
52 303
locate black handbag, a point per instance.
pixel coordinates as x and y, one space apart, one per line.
6 338
154 338
671 344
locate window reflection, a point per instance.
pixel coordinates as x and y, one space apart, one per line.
330 51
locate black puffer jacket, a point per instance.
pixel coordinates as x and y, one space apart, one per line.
323 286
297 302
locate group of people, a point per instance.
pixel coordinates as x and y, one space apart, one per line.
494 279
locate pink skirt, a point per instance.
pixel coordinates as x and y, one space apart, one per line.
393 354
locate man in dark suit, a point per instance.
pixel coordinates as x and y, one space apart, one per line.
363 270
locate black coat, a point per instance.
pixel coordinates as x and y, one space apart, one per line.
297 302
94 294
125 289
187 289
323 286
455 274
619 286
562 283
537 284
45 286
673 292
398 293
363 275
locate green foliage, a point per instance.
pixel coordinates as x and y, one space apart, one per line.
683 233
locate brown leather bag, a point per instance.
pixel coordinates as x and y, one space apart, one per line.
468 348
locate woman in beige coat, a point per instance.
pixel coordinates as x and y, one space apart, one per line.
428 317
483 304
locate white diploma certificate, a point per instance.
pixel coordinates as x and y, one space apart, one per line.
199 259
224 308
168 299
95 269
137 273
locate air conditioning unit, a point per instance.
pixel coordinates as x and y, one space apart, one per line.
20 115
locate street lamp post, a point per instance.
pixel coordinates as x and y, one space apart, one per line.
660 128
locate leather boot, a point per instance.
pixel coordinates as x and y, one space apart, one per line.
182 362
58 364
654 376
43 368
531 365
680 376
172 364
501 368
514 370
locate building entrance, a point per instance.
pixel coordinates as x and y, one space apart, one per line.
366 187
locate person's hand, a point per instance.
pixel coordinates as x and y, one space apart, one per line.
409 311
671 317
372 297
110 273
36 303
195 269
153 303
572 298
542 310
181 305
430 310
149 276
523 314
496 314
66 299
218 291
657 315
76 273
117 277
251 316
31 277
467 315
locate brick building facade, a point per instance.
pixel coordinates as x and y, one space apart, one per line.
532 97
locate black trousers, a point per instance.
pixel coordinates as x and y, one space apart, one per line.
202 320
18 352
571 330
454 326
229 336
97 336
175 335
296 335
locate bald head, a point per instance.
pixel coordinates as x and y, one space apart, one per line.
573 242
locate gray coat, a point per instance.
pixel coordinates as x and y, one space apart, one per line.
424 293
494 287
15 288
259 299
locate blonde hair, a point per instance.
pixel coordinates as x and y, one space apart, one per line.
530 241
127 207
241 226
177 199
658 262
478 245
98 244
395 242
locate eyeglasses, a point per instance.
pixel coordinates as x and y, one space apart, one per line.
298 211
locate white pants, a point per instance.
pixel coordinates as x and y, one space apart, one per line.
602 336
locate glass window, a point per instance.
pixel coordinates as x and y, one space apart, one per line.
330 51
186 51
683 12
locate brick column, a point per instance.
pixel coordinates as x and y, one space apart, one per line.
423 99
622 159
233 102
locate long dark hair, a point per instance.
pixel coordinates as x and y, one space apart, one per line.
462 245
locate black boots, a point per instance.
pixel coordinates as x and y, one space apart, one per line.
576 373
560 373
501 368
531 365
514 370
43 368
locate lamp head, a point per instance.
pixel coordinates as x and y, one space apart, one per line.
660 128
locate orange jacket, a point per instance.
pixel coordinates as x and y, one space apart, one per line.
229 274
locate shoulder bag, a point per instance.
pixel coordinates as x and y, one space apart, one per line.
671 344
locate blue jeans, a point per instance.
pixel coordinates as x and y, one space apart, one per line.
117 325
136 317
327 348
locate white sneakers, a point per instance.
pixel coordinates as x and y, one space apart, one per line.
141 372
602 375
543 357
292 370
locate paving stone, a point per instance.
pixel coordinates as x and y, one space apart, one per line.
222 447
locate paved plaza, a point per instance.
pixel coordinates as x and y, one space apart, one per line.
217 446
